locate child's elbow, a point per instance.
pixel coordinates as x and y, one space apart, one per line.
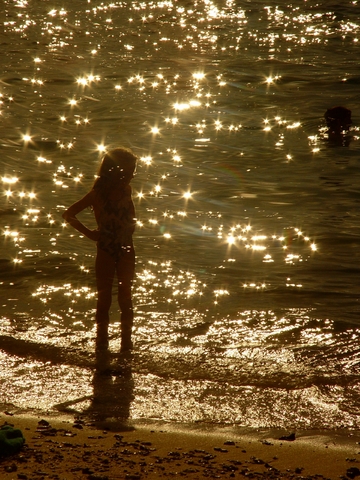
65 216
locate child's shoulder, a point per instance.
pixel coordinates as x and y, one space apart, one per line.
94 197
92 194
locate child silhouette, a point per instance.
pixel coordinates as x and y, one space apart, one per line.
111 201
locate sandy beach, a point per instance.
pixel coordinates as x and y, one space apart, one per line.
72 448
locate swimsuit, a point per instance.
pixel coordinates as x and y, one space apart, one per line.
116 226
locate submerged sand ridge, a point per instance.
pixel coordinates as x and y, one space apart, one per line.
69 449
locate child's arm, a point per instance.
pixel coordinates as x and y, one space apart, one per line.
132 213
70 216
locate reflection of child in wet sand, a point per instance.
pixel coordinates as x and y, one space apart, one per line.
110 198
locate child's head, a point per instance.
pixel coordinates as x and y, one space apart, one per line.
117 167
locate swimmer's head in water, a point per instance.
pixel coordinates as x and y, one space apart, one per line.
338 119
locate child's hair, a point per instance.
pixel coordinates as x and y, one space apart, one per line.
118 165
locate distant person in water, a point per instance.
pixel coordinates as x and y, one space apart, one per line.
338 120
111 201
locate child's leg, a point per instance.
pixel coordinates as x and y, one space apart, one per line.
105 270
125 273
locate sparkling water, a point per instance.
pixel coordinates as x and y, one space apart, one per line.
247 280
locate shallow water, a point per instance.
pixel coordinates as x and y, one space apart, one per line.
247 286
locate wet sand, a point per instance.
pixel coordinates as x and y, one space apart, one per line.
71 448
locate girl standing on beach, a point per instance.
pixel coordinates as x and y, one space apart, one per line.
110 199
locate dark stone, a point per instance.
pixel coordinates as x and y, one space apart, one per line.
353 472
78 425
43 423
87 471
11 468
288 438
174 454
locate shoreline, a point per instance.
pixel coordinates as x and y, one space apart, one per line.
74 448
